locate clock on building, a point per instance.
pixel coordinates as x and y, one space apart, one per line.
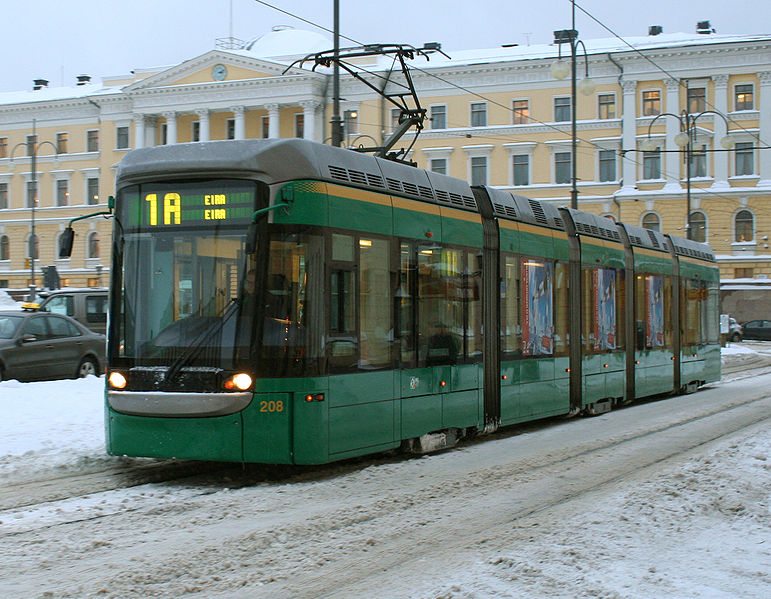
219 72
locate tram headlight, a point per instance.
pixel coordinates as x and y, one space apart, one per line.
240 381
117 380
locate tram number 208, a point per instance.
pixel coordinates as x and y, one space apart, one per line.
272 406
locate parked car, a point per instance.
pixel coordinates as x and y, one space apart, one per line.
757 329
87 306
38 345
735 330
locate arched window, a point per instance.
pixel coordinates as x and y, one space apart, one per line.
33 246
698 226
609 216
5 248
651 221
744 226
93 244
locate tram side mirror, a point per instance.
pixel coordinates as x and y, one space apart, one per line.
65 242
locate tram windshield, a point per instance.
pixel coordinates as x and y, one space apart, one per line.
183 294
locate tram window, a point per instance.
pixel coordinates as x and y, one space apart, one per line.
537 287
692 295
600 304
561 310
510 305
711 327
653 311
471 294
440 308
375 303
404 304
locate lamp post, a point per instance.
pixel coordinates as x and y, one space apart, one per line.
32 153
684 140
560 70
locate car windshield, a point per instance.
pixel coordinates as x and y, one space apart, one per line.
9 326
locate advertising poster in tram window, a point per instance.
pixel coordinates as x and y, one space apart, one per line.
537 308
604 309
654 290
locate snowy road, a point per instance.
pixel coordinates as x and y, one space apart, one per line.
667 498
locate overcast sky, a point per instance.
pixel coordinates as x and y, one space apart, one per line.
59 39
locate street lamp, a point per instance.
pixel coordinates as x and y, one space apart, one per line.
32 151
684 140
560 70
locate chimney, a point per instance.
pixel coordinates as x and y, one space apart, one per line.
83 79
40 84
655 30
704 28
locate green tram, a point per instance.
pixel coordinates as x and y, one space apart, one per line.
282 301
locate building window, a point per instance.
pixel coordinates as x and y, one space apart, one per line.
521 169
31 193
31 144
61 143
164 134
699 162
699 226
521 112
744 158
93 245
33 246
652 164
396 114
195 131
562 109
479 170
92 141
744 97
299 125
230 129
5 248
438 165
697 99
265 121
3 147
744 226
651 221
744 273
351 122
607 165
438 116
606 106
478 114
62 192
92 190
651 103
3 196
562 167
122 137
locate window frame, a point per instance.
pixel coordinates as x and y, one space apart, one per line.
560 165
92 140
647 214
520 116
696 99
609 106
478 114
124 132
442 108
560 108
648 105
745 151
737 93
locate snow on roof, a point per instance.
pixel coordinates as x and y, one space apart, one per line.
286 42
49 94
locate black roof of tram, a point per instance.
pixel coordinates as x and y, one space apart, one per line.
278 160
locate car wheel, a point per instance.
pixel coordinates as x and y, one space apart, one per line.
87 366
736 337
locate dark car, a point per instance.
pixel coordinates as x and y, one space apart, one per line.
87 306
757 329
42 346
735 330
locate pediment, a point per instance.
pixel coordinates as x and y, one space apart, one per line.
217 66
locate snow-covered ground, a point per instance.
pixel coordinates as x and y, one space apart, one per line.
696 525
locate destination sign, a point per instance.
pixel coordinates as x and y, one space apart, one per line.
223 202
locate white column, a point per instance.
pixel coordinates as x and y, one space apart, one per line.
139 131
309 118
239 112
273 120
203 118
151 129
720 158
629 136
171 127
672 159
764 106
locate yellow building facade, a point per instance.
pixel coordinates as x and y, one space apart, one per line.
496 117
